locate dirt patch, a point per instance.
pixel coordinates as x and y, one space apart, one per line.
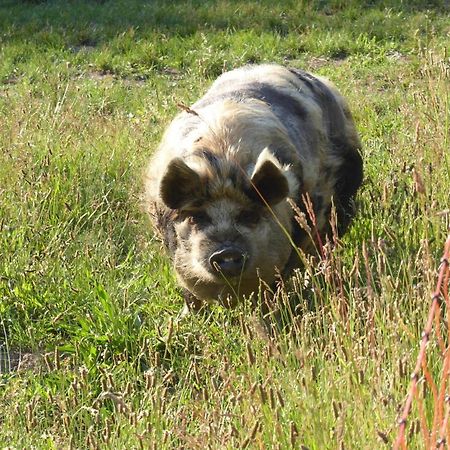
82 48
397 56
102 76
99 75
86 45
315 63
16 361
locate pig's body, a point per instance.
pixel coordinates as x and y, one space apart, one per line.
218 185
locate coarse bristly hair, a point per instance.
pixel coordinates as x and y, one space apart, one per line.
227 166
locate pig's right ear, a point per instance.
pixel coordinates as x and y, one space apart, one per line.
180 185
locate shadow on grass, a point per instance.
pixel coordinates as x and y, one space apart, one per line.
92 22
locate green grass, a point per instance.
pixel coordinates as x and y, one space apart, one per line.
86 90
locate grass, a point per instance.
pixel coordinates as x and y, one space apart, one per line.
88 298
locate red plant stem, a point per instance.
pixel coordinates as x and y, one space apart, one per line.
423 420
435 298
439 338
442 402
432 385
442 434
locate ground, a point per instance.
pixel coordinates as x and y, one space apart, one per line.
92 353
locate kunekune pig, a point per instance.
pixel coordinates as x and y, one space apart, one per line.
217 188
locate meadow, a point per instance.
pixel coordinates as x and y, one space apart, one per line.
92 353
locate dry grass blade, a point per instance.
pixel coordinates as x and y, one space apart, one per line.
187 109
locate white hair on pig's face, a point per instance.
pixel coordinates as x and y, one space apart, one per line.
228 229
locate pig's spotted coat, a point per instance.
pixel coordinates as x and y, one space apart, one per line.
281 132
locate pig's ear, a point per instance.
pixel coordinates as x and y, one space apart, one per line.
180 184
268 180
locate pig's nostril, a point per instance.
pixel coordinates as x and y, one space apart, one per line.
229 261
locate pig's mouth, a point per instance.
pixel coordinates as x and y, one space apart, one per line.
226 289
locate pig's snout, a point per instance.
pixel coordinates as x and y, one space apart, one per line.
229 260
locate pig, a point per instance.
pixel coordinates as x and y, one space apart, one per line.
220 188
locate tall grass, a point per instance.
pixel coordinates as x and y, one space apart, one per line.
95 355
437 436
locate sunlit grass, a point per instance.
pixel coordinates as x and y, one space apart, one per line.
86 292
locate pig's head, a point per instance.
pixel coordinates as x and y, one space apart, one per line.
231 224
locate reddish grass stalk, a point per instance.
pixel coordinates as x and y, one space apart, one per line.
400 441
423 420
432 385
310 210
437 330
444 432
440 420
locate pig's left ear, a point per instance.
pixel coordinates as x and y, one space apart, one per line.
268 180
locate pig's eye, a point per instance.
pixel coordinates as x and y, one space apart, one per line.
198 218
248 218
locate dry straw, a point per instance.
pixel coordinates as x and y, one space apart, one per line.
439 434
